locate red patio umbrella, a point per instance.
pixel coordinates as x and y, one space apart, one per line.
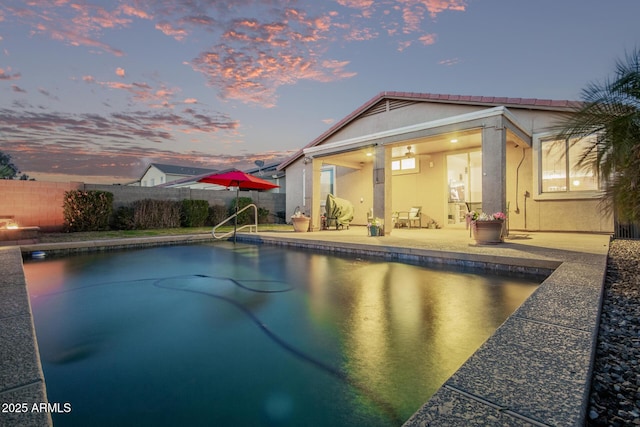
238 179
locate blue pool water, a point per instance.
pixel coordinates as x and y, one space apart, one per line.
244 335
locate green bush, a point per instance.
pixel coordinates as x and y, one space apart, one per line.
148 214
217 214
87 210
194 213
263 215
247 217
123 219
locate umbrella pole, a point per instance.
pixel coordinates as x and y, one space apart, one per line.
235 220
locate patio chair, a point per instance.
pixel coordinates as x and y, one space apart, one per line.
409 217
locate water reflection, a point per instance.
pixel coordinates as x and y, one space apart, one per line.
404 330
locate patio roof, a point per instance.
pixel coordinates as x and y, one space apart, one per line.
408 132
488 101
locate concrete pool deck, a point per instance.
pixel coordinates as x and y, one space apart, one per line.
536 368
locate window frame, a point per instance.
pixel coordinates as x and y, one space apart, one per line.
568 194
405 171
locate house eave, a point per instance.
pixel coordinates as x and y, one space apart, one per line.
378 137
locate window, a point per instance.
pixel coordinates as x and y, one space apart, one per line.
406 165
559 168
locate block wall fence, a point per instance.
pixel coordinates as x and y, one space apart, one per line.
36 203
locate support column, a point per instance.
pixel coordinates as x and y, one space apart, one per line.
313 203
382 187
494 166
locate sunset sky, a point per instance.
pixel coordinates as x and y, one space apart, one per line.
96 90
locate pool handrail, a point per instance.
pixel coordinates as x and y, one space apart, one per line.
253 228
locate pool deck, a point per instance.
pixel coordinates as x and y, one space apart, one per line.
534 371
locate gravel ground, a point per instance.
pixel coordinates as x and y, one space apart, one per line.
615 388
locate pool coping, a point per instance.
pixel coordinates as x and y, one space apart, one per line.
534 370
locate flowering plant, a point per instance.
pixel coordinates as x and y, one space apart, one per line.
298 213
475 216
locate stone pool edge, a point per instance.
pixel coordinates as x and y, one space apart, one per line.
22 383
536 368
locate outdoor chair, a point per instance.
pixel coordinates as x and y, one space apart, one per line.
410 217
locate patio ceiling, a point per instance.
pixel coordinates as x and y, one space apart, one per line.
356 159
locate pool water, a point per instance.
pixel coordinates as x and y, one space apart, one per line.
246 335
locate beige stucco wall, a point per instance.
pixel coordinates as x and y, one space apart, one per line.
428 188
356 185
294 192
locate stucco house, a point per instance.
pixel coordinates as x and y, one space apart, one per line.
447 154
158 174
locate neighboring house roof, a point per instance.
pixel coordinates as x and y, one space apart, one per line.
269 168
178 170
182 182
378 104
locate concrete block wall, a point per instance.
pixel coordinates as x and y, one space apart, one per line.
39 203
35 203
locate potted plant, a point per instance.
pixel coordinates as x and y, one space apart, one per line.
487 229
300 221
375 228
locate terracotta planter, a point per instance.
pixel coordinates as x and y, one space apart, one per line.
488 232
301 224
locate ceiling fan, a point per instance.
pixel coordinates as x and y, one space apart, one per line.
409 153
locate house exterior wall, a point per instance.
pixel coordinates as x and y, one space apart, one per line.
507 181
426 189
356 185
153 176
294 193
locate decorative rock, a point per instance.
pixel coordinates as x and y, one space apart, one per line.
615 390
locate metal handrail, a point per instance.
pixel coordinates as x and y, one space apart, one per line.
252 227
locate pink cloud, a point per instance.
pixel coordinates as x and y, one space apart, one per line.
120 72
256 46
7 75
169 30
427 39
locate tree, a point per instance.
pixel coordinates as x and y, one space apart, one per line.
7 169
610 116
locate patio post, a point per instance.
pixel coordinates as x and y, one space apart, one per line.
494 165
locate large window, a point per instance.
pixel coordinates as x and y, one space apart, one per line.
559 169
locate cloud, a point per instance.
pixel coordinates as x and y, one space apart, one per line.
6 75
47 141
253 47
449 62
120 72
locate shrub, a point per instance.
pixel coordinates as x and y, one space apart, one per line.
194 213
149 213
246 217
123 219
87 210
217 214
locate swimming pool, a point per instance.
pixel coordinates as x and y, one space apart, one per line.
248 335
